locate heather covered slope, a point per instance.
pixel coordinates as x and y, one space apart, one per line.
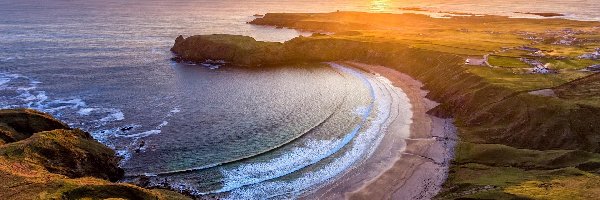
513 144
42 158
585 90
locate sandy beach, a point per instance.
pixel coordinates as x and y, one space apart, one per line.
413 167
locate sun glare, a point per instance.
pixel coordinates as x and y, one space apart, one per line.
379 5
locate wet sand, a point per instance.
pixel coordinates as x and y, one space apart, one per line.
413 167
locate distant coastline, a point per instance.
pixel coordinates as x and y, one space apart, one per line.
420 10
542 14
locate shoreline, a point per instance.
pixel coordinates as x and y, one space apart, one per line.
496 143
400 167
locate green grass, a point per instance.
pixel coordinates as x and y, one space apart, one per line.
491 154
505 61
520 80
513 53
560 50
492 171
451 49
571 64
485 182
565 64
571 188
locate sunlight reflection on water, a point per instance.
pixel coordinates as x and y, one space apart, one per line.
380 5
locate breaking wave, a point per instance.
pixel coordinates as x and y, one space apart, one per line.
19 91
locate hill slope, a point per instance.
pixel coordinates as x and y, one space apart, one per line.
42 158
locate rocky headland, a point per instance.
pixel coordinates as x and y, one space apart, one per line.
42 158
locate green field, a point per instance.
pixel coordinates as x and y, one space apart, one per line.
506 61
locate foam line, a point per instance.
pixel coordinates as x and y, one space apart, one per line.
298 158
187 170
29 96
364 145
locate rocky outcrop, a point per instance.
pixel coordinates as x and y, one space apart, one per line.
42 158
241 50
246 51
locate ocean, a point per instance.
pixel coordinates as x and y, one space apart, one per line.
104 66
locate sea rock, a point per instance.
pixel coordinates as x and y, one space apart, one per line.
242 50
126 128
179 39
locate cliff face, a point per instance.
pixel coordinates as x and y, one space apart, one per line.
42 158
241 50
245 51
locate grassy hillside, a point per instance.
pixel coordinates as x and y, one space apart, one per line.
42 158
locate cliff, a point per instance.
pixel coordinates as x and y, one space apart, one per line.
42 158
